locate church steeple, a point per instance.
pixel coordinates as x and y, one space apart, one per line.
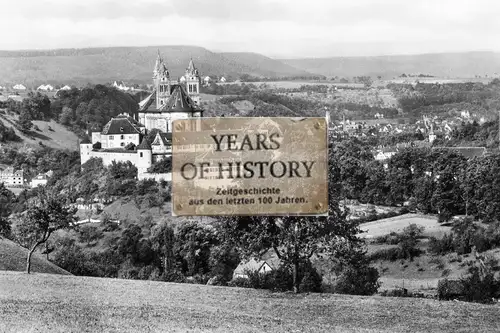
191 68
161 81
158 65
193 82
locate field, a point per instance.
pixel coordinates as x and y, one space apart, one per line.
298 84
56 303
397 223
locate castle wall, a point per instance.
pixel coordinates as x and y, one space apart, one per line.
156 176
108 157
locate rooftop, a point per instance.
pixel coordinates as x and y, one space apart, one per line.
121 125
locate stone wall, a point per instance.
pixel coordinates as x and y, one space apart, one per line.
156 176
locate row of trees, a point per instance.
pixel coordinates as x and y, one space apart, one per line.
445 98
439 181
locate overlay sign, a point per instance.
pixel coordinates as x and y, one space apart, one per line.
249 166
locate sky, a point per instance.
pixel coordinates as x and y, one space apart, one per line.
276 28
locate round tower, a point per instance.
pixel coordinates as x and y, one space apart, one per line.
144 156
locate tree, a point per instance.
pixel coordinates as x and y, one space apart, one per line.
90 234
6 200
193 246
129 243
294 240
45 215
409 240
5 228
163 241
25 121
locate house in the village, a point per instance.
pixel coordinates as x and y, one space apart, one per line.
12 178
19 87
384 154
40 180
120 85
45 87
253 265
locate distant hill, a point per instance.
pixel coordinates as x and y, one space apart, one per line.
131 64
453 65
267 66
13 258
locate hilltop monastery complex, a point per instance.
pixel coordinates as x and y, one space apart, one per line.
123 138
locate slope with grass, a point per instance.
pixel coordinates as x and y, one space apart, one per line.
13 258
398 223
51 303
423 272
48 133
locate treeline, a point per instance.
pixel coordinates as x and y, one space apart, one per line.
91 106
78 109
364 111
119 180
34 161
393 140
35 107
269 105
228 89
436 181
439 98
475 134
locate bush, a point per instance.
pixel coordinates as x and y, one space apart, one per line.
128 271
358 281
173 276
5 228
148 272
443 245
480 287
450 289
398 292
394 253
240 282
130 146
310 280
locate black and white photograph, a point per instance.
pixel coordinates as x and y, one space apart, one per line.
249 166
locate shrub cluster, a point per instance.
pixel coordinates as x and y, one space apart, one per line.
466 235
379 216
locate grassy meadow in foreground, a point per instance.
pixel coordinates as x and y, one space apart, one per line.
57 303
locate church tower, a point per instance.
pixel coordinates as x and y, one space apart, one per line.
161 81
193 82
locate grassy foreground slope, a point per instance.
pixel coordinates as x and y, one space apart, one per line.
57 303
13 258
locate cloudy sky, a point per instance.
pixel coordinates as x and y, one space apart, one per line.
277 28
